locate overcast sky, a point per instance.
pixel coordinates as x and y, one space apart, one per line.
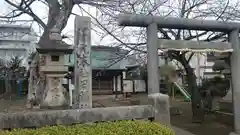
41 11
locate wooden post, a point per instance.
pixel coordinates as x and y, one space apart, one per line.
235 66
115 86
152 59
82 67
121 82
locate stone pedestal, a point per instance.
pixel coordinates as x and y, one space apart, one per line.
55 92
160 103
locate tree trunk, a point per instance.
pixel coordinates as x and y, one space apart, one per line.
57 19
197 105
6 85
168 86
32 83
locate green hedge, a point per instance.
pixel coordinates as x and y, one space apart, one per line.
105 128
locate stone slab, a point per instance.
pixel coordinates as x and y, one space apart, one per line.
54 69
179 131
53 46
160 103
234 134
73 116
182 44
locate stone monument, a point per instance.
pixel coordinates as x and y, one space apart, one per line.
82 68
53 68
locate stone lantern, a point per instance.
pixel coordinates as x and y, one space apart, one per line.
54 69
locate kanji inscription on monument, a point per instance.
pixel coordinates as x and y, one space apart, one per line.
82 68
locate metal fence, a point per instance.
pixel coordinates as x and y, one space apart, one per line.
17 87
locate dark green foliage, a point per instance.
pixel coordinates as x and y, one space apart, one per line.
216 86
11 71
12 68
106 128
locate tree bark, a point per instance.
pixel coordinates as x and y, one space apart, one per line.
197 105
32 83
6 85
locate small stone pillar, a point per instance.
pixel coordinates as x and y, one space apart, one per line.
160 103
52 65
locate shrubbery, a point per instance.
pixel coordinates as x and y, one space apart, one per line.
105 128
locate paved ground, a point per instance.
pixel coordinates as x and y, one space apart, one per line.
180 131
179 122
210 126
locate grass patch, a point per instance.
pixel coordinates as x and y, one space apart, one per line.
104 128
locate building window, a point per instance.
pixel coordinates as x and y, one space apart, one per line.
55 58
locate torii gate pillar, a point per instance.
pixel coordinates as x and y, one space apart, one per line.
235 72
152 59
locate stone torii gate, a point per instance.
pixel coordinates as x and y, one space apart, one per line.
152 23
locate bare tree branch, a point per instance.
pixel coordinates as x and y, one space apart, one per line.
190 57
27 11
110 33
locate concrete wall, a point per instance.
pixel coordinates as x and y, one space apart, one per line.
140 86
202 67
158 109
127 86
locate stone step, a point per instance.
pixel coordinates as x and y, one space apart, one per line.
226 106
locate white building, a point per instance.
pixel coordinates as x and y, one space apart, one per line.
201 63
16 40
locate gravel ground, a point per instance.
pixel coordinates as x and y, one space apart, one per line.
179 122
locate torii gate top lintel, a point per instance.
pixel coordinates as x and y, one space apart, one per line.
138 20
